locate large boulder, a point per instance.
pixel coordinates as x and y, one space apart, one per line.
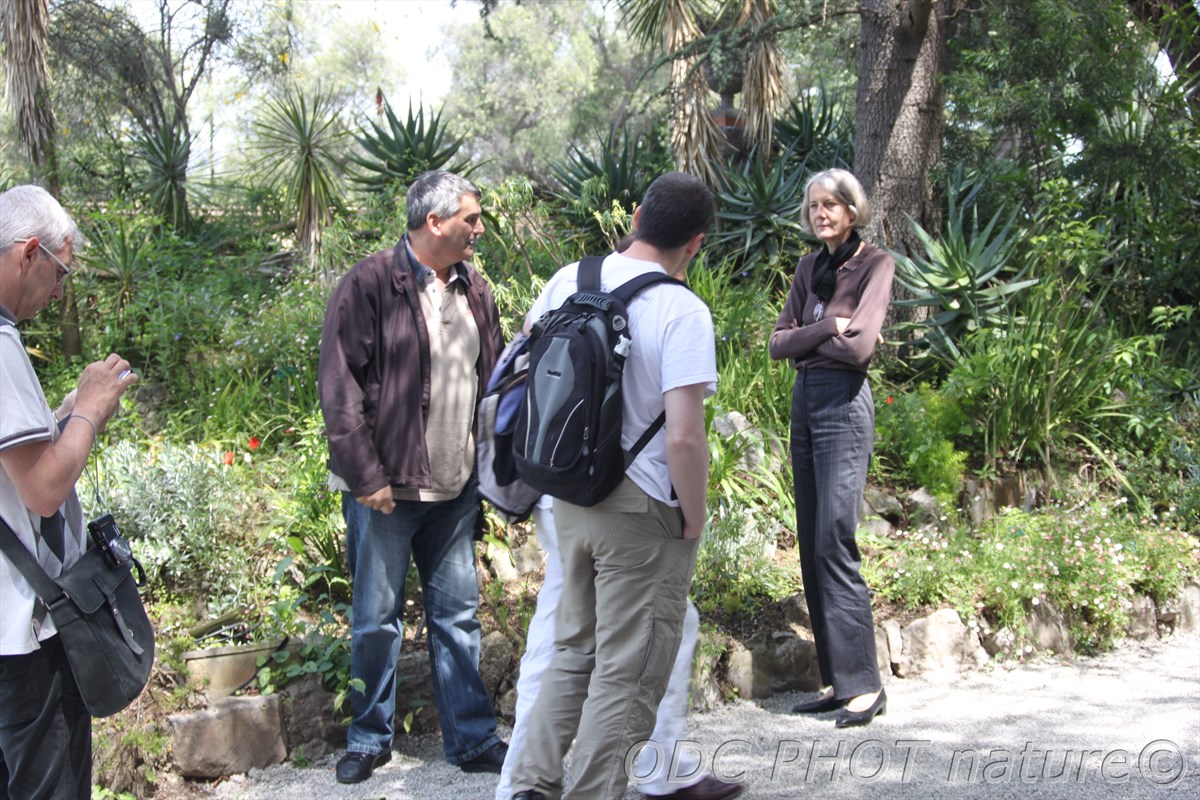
780 661
234 735
309 721
938 646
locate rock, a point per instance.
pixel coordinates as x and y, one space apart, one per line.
497 662
414 692
939 646
926 502
705 692
1002 642
883 656
1048 630
234 735
1181 614
528 557
976 497
731 424
501 559
1143 621
877 527
777 662
309 721
795 610
895 644
506 706
877 501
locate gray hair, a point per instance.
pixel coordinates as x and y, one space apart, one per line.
438 192
846 190
28 211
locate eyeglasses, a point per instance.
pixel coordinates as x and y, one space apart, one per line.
63 269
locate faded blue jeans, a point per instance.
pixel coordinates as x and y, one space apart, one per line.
438 537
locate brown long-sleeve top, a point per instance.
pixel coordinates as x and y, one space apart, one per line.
864 289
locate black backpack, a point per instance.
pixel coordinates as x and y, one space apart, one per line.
567 439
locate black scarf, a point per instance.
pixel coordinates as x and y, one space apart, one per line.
824 275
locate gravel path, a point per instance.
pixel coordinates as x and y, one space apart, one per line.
1122 725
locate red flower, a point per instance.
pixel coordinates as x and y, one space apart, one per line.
228 458
889 401
254 442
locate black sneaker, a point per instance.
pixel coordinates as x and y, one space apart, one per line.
490 760
357 767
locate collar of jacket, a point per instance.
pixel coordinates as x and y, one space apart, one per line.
405 264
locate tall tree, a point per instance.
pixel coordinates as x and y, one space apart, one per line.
26 25
687 30
27 82
900 113
150 72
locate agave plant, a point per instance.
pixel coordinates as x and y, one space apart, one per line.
758 211
620 174
815 131
396 154
966 277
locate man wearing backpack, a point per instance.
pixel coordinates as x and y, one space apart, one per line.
627 560
410 336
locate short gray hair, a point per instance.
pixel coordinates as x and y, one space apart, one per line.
846 190
28 211
438 192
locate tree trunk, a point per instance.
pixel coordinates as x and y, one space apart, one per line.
900 114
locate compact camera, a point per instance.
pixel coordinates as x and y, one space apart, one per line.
108 539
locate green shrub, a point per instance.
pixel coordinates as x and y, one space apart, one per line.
735 566
916 434
192 518
1086 559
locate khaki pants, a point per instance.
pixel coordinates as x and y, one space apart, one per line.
626 573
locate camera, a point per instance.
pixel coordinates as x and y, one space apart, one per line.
108 539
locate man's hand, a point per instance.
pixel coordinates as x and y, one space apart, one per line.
100 389
380 500
691 531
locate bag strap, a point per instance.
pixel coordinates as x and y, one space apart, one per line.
589 280
49 591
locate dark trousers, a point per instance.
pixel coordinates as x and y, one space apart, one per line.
833 433
45 731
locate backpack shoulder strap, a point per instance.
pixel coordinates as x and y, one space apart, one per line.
588 279
626 291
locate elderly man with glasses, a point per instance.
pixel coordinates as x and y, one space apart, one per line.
45 731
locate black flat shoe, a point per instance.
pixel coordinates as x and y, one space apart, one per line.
490 760
851 719
819 706
357 767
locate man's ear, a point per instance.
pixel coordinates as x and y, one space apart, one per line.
29 250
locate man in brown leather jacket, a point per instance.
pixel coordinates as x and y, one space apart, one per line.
410 336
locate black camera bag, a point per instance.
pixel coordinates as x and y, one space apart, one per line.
101 622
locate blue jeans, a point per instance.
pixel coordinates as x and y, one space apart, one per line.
438 536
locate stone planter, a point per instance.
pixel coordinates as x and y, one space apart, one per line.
222 670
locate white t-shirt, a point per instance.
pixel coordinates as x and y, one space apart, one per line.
25 417
673 345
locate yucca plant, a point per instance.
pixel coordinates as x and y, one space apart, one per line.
299 142
165 153
966 277
396 154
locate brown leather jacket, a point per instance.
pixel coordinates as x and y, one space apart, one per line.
374 373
